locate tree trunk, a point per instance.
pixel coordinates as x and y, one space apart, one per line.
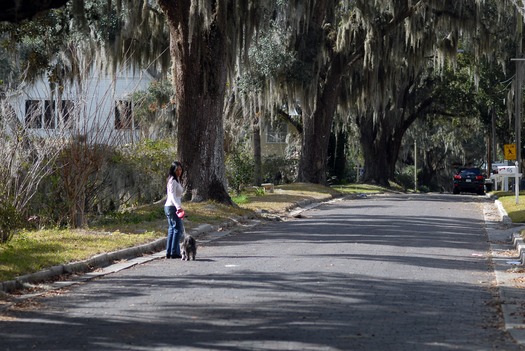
257 158
381 137
336 156
199 77
380 142
317 127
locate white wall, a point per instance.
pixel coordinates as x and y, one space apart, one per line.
94 105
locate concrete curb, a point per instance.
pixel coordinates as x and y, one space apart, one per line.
98 261
131 255
104 263
519 244
511 299
517 239
505 219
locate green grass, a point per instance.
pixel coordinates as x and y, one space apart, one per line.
240 199
285 196
351 189
516 212
32 251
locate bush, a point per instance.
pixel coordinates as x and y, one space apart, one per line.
10 221
136 175
239 170
405 177
279 170
120 177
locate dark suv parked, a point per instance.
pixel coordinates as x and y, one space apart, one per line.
469 180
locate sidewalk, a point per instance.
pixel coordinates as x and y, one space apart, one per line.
508 256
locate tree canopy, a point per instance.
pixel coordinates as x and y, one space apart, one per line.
374 62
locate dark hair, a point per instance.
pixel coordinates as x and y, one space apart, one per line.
171 172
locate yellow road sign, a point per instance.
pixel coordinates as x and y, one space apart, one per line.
510 152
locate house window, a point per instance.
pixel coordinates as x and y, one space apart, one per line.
276 132
124 115
65 113
49 114
43 114
33 117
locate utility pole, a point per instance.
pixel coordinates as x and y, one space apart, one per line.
517 117
415 166
517 109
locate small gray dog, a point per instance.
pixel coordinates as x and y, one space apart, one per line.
188 247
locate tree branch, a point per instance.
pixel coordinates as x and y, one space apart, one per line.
19 10
290 120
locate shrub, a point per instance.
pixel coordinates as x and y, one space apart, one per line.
10 220
113 178
136 175
239 169
279 170
405 177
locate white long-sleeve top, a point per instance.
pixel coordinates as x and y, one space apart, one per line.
174 191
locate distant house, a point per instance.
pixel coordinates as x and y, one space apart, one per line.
273 138
99 107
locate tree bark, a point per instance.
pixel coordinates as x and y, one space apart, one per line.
336 156
317 128
381 138
257 157
199 77
16 11
380 145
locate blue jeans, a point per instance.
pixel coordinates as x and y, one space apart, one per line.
175 230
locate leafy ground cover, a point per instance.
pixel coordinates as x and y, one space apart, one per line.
32 250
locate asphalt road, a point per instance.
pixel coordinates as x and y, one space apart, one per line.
393 272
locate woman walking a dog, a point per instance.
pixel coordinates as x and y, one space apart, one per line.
173 209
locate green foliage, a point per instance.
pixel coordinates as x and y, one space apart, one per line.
153 107
49 42
239 169
121 177
240 199
152 156
10 220
270 58
37 42
259 191
136 174
279 170
454 130
405 177
49 203
131 217
102 18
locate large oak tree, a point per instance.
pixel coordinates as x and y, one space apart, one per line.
369 59
206 36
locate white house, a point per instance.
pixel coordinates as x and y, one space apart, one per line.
274 138
99 107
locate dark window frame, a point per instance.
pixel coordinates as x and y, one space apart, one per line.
124 116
